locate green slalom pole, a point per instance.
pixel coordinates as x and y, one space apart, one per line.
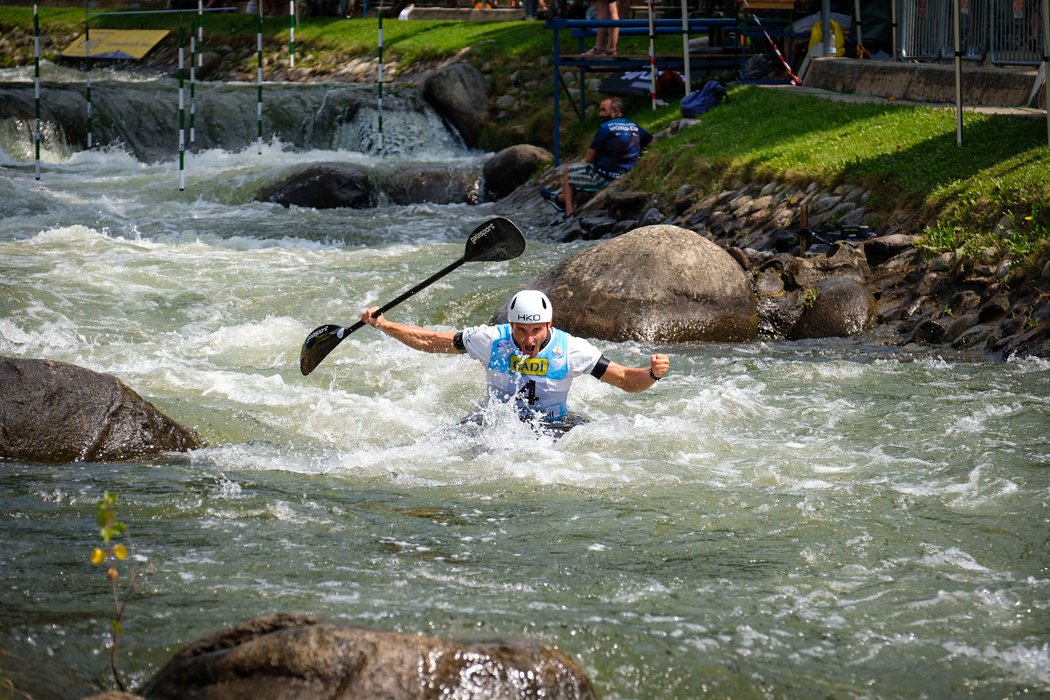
193 87
36 87
379 86
182 112
87 90
291 32
259 101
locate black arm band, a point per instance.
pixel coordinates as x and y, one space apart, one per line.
599 367
457 341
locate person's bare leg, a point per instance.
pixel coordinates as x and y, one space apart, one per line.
613 33
566 191
601 42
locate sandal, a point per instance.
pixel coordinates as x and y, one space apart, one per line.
596 51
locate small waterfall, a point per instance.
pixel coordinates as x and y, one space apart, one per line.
143 118
18 147
407 132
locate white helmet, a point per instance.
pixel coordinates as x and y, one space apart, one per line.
530 306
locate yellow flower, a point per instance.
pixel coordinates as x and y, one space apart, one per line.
97 556
120 552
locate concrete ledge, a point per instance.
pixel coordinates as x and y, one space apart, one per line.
924 82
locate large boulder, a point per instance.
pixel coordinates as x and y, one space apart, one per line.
292 655
657 283
512 167
323 186
54 413
459 94
437 184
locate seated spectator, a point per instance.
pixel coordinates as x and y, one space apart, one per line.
614 150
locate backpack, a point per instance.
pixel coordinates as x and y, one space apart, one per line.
699 101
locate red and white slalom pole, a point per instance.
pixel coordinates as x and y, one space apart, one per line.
795 80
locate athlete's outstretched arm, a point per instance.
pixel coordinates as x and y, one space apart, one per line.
636 379
415 337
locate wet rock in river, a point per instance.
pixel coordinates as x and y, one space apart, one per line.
294 655
323 186
54 413
837 307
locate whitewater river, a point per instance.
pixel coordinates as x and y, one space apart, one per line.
826 519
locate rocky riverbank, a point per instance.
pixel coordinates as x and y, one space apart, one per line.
921 300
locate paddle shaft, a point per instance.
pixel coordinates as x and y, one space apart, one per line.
496 239
411 292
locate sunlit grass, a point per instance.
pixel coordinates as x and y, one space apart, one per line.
1001 173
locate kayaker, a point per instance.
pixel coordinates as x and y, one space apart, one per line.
527 360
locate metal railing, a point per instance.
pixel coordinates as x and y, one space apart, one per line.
924 29
1003 32
1016 33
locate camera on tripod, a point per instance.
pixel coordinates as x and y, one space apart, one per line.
822 241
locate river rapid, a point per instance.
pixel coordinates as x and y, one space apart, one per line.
773 520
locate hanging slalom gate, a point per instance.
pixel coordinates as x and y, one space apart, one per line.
195 33
1003 32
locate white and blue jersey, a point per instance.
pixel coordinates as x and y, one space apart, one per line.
539 385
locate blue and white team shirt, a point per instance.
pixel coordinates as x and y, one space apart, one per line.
617 145
539 385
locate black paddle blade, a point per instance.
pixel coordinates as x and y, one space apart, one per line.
318 344
496 239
